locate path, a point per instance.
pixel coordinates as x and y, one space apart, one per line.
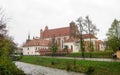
31 69
93 59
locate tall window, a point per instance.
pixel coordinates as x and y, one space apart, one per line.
71 47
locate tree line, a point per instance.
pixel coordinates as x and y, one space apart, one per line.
7 47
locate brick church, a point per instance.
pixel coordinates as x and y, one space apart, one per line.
65 36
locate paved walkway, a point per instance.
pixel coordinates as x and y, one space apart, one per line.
93 59
31 69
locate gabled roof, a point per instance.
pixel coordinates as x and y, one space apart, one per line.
85 36
49 33
71 40
36 42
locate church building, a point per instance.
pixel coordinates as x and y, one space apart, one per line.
65 36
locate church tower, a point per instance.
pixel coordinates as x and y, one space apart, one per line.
28 38
73 30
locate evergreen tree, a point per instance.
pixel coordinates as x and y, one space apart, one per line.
113 35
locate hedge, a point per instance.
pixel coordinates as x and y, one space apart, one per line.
102 54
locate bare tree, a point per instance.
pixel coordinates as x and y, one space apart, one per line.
91 30
82 29
2 23
53 46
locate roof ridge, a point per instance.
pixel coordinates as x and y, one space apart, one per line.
58 28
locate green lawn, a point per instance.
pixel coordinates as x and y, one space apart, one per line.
83 66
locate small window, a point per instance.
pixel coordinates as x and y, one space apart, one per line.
28 49
36 48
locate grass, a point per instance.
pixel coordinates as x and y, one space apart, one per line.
101 54
82 66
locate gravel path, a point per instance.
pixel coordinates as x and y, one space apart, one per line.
31 69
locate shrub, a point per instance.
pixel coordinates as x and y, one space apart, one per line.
68 67
7 67
15 57
90 70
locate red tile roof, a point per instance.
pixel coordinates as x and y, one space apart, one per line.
36 42
71 40
65 31
85 36
100 41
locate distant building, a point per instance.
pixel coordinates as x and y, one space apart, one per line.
18 50
65 36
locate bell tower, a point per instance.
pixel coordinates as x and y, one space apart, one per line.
73 30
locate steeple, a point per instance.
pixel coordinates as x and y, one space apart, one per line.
41 30
28 36
28 39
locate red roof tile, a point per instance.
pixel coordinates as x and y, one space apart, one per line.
71 40
37 42
55 32
100 41
85 36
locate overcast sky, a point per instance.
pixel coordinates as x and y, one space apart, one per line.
29 16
